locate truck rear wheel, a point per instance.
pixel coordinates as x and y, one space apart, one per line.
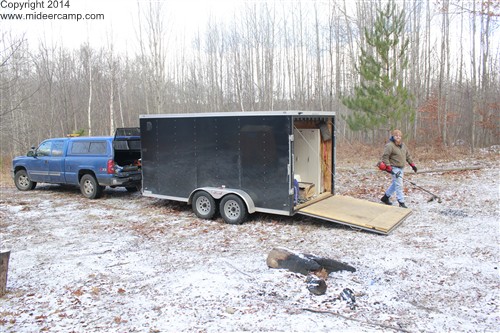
204 205
89 187
232 209
23 182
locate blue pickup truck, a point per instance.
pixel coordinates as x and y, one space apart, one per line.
90 162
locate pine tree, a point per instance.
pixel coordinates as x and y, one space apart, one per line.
381 98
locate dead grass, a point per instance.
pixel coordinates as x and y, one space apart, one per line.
440 153
5 166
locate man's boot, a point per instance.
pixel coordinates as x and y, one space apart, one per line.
402 204
385 199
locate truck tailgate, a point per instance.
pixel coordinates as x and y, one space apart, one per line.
357 213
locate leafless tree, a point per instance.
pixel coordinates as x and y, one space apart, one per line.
268 55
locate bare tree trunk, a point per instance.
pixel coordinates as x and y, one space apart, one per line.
111 107
416 73
442 71
428 66
154 56
474 81
463 101
485 45
319 73
45 69
446 64
112 73
270 56
89 110
121 108
485 50
235 46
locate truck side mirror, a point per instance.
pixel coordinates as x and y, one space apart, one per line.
31 152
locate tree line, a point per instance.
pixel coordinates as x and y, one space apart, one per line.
272 55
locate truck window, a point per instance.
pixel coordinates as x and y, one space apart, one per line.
89 148
57 148
98 148
44 149
80 147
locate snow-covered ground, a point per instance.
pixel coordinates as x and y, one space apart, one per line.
126 263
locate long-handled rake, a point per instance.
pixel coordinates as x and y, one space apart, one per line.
382 166
427 191
434 196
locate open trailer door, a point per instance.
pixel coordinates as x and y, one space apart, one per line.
357 213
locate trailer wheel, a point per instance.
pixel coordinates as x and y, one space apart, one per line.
89 187
23 182
132 189
233 209
204 205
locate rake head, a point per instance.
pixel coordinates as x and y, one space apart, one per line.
435 198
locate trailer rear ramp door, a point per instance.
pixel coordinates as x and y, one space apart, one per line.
357 213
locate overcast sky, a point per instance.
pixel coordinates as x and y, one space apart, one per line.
118 20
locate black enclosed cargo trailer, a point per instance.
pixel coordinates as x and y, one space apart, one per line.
278 162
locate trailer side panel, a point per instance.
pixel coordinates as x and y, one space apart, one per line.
246 153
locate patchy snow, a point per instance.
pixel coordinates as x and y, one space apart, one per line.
126 263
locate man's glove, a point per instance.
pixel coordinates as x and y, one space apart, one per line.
382 166
414 167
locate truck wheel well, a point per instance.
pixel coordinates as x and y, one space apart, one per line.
19 168
81 173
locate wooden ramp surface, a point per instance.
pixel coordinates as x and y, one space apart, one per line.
357 213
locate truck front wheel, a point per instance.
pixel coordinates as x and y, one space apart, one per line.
23 182
232 209
203 205
89 187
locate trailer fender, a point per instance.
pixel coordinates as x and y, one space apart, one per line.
218 192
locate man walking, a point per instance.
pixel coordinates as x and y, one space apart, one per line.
393 161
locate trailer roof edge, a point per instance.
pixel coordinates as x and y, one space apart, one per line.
241 114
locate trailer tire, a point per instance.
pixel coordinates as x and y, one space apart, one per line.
204 205
22 181
89 187
132 189
233 210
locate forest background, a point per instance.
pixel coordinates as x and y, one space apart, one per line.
266 55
